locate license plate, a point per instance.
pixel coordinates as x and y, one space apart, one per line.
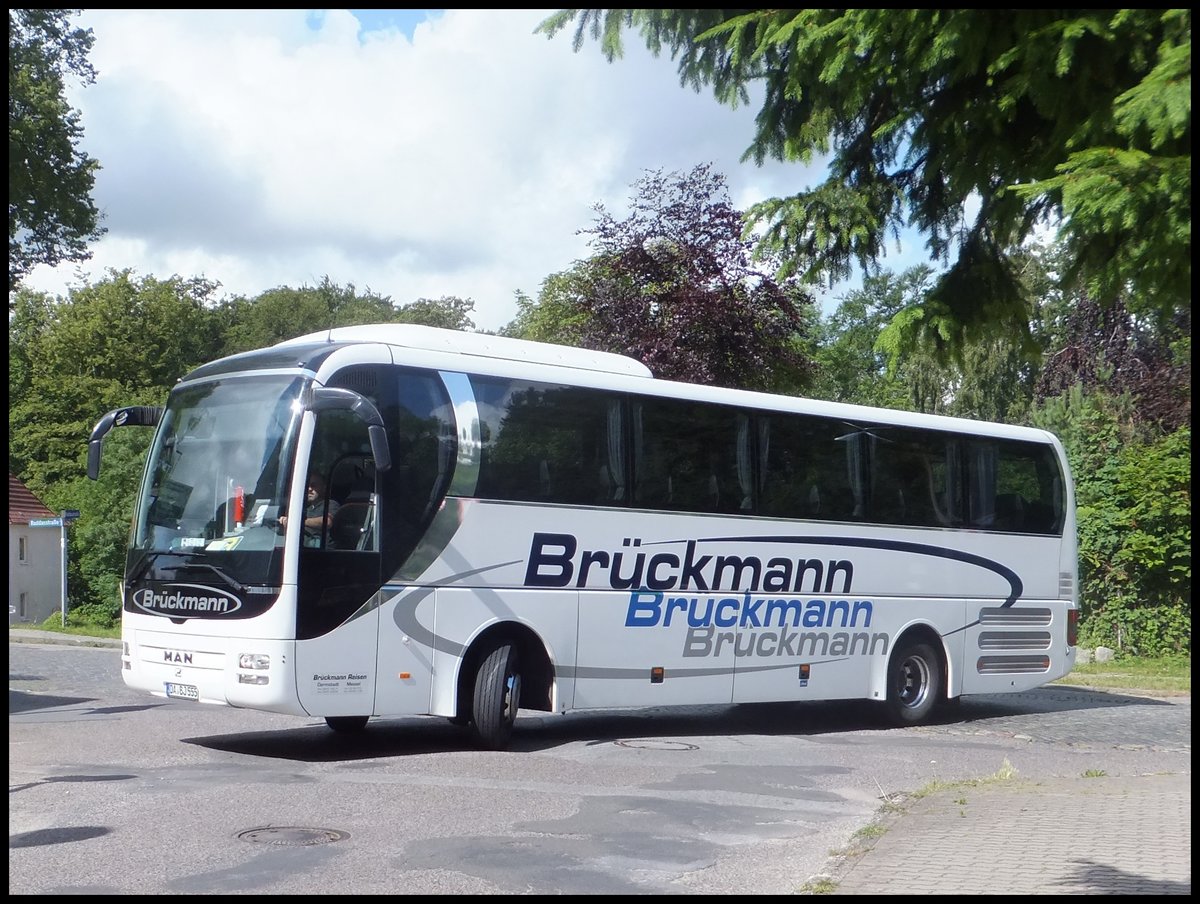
183 691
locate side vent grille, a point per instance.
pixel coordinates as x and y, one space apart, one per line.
1012 665
1014 640
1015 618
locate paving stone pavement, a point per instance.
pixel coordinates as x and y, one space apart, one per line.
1128 835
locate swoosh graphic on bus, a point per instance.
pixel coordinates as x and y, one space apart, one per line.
921 549
405 615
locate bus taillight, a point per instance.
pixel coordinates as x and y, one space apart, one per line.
1072 627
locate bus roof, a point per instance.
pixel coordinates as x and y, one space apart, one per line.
412 335
616 372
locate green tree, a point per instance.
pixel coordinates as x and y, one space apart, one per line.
285 313
448 312
51 217
989 380
121 341
555 315
849 368
1039 116
1133 497
99 537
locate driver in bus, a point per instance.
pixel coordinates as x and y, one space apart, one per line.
318 512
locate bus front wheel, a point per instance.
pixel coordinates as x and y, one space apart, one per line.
349 724
497 697
913 684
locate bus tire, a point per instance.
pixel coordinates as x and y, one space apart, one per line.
497 697
914 683
347 724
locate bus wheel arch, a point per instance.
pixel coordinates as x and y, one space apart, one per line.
915 676
487 667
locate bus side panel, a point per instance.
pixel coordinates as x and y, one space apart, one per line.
1016 648
335 673
841 657
625 635
464 615
405 681
1021 644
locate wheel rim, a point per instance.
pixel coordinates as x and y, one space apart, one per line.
512 697
912 685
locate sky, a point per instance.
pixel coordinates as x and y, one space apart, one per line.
409 153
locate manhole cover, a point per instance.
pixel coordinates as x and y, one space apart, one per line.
657 745
291 835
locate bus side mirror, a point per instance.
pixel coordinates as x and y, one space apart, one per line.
325 398
133 416
379 447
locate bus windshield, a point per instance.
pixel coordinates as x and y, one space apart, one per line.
219 470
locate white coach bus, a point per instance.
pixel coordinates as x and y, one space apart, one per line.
516 524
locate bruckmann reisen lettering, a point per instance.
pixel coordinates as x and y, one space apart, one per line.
555 560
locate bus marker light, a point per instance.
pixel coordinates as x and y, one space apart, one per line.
657 674
404 676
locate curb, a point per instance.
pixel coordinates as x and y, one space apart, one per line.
29 635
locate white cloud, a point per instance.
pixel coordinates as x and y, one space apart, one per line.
267 148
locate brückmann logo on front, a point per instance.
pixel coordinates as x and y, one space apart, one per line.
186 599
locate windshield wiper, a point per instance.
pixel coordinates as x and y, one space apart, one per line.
144 563
241 588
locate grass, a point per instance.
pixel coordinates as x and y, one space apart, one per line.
54 625
1165 676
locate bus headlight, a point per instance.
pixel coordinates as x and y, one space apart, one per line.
253 662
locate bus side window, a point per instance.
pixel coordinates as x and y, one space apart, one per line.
1010 512
804 469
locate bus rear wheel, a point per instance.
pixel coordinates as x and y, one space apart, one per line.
913 684
347 724
497 697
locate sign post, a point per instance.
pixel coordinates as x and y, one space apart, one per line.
64 520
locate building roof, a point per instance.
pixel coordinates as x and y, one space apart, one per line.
23 505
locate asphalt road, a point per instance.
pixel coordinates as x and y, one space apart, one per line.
113 792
